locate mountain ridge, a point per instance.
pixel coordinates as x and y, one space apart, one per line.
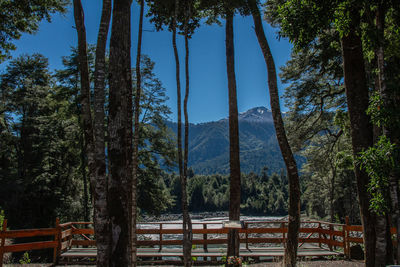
209 144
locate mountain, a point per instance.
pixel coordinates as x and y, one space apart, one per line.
209 144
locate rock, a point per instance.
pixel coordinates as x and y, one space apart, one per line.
356 252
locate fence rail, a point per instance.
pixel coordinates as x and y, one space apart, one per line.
81 234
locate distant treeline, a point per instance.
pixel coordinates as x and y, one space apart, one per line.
264 194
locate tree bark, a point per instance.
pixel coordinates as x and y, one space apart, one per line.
101 218
234 151
185 212
386 130
136 139
291 167
119 132
187 223
360 126
85 89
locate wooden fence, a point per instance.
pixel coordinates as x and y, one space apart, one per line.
164 234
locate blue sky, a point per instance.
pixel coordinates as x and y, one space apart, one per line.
209 93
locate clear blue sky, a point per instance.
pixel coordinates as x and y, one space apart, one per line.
209 93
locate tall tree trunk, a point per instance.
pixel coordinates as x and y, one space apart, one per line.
360 126
185 212
83 172
119 128
291 167
386 130
101 218
234 151
136 138
85 88
187 223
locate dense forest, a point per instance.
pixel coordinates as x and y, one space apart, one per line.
93 140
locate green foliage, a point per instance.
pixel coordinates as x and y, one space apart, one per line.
2 218
318 125
378 162
17 17
40 167
25 259
261 194
156 143
383 115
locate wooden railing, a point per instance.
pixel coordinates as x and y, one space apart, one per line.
15 234
163 234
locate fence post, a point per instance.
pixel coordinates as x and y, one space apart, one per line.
347 238
3 241
283 232
57 238
330 237
319 234
205 238
160 237
247 235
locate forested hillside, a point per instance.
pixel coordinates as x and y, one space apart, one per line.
209 144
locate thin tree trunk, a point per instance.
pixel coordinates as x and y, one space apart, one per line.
136 138
387 103
234 152
186 217
185 212
119 128
360 126
291 167
101 218
85 88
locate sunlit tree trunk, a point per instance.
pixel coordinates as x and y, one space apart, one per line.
119 133
101 219
234 160
360 126
187 223
85 89
291 167
136 139
185 212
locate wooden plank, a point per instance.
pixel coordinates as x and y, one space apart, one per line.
58 239
66 244
310 230
333 243
262 240
210 231
83 243
30 233
335 233
30 246
264 230
355 239
66 233
311 240
355 228
85 231
64 225
179 231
